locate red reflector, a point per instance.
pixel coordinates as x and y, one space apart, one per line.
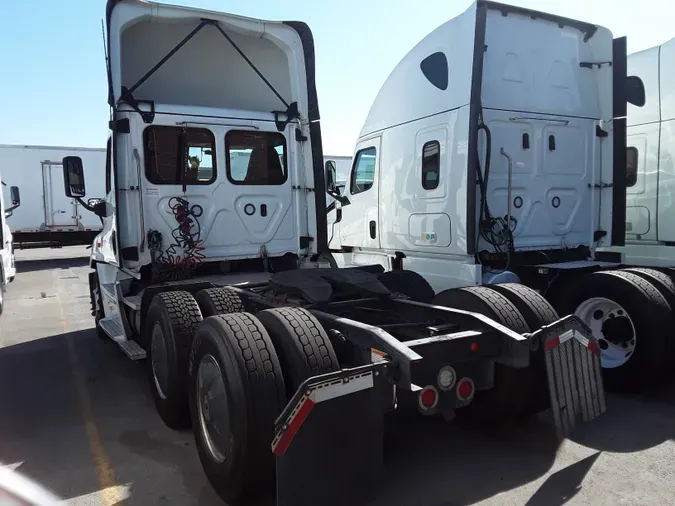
428 398
464 388
552 343
474 347
595 349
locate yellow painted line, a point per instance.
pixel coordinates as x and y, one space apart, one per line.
110 492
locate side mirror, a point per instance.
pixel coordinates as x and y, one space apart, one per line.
635 91
331 176
73 177
15 196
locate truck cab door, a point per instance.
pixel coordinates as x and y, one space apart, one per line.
360 217
107 242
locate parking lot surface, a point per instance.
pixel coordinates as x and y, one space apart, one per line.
77 416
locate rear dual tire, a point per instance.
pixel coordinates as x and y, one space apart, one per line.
507 400
632 320
253 365
170 326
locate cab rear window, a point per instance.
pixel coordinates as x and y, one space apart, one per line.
255 158
174 155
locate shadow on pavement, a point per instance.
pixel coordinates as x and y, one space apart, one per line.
431 462
43 264
563 485
632 423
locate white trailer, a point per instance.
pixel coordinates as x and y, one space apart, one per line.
48 216
207 266
506 164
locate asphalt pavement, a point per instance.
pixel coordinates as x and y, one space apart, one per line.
77 416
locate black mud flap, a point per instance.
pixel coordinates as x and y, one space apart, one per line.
573 372
328 441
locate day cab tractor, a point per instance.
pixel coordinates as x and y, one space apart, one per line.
210 268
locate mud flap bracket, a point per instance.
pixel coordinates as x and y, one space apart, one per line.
328 441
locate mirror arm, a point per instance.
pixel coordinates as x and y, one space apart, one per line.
340 198
10 209
85 205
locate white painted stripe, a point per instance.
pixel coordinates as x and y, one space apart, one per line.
338 389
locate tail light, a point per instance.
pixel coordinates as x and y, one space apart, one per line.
428 398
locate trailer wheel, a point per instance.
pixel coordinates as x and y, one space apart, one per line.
508 400
221 300
537 312
170 326
302 344
236 393
631 320
408 283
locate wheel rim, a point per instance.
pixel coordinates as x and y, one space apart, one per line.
612 327
159 360
212 405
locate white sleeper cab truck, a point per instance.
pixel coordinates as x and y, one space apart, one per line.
493 163
7 267
650 227
207 268
52 218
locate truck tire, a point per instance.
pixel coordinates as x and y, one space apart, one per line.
631 320
236 393
408 283
220 300
170 326
302 344
537 312
508 400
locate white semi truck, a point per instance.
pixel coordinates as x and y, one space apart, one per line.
505 167
7 266
208 270
51 217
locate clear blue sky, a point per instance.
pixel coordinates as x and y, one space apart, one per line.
53 88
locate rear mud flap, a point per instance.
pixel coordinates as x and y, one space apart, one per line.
329 439
573 372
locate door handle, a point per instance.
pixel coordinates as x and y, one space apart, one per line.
373 230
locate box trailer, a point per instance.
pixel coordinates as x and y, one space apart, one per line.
48 216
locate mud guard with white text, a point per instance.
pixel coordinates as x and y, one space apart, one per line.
331 453
573 372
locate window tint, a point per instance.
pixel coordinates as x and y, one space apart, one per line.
431 165
363 174
631 166
256 158
108 171
177 156
435 69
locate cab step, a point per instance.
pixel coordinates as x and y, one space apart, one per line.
132 349
112 326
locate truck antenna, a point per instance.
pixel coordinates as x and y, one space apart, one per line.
105 46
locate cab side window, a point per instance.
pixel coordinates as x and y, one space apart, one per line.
631 166
431 165
363 173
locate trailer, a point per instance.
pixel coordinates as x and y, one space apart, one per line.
208 268
506 174
52 218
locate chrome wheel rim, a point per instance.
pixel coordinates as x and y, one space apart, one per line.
159 360
212 406
612 326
